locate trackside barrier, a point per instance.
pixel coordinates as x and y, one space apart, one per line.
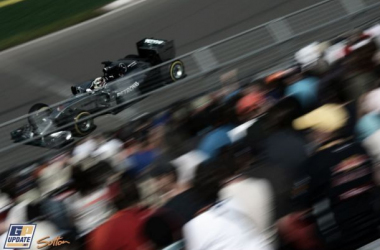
250 52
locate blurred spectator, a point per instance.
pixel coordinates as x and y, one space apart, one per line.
164 230
219 225
372 145
304 89
124 229
108 147
179 199
144 155
367 125
251 109
90 206
250 106
284 146
254 197
282 151
84 148
359 77
217 138
338 185
369 111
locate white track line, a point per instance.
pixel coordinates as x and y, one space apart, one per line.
116 4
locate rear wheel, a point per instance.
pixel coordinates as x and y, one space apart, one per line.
83 125
176 70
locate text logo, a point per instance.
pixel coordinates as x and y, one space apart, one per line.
51 243
20 236
129 89
153 41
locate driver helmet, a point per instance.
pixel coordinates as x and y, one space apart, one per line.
99 82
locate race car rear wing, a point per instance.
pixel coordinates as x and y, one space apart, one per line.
156 50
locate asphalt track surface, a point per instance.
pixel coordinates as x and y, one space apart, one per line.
43 71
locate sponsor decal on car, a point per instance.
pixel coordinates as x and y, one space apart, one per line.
129 89
154 41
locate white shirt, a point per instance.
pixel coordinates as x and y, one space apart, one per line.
85 149
186 165
374 32
89 211
255 200
108 149
240 132
308 55
223 228
335 52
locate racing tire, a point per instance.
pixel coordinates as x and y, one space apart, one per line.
39 110
83 126
176 70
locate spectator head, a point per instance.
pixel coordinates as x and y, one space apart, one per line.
210 175
165 177
220 115
89 176
360 53
201 103
206 183
281 115
22 186
324 122
128 194
163 228
142 138
156 136
250 106
310 57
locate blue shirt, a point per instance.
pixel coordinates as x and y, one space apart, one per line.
139 161
367 125
215 140
305 91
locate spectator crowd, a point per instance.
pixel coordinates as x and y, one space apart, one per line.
287 161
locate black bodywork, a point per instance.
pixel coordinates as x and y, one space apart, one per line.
56 126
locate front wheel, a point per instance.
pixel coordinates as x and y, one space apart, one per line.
83 125
37 113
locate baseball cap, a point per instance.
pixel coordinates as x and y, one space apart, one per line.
327 118
249 103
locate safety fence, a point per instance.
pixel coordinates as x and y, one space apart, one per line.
249 53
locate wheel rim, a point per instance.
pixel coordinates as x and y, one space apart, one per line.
85 126
177 71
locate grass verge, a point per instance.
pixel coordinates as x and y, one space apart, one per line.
30 19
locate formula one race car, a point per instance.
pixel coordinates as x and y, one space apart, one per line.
123 80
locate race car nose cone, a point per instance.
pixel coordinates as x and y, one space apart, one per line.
68 136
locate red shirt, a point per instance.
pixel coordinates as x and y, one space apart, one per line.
121 232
